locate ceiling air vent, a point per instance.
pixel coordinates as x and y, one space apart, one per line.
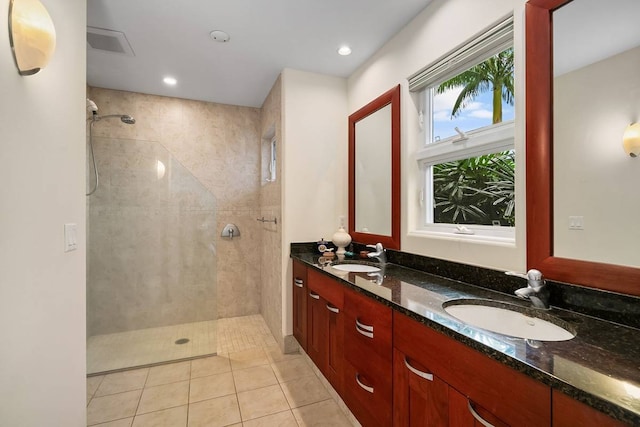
108 41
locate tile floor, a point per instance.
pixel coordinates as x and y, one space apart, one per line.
251 384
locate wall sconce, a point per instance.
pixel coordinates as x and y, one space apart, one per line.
31 34
631 140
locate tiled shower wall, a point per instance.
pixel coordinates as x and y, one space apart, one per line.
219 146
150 226
270 202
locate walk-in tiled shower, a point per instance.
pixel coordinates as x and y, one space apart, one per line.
151 261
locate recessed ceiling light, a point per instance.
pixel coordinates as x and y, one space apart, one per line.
344 50
219 36
170 81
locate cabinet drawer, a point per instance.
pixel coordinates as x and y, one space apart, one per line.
371 363
568 412
368 395
327 288
369 324
511 396
299 274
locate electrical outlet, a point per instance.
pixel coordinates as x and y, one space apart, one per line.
576 223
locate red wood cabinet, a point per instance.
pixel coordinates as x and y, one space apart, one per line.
393 370
317 331
420 398
300 303
325 330
477 384
568 412
368 370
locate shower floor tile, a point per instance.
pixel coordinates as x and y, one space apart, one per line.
143 347
150 346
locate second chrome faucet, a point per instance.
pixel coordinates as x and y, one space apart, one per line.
379 253
536 290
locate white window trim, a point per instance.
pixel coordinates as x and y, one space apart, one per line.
490 139
505 239
485 140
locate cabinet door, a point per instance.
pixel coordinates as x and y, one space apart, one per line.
510 395
335 346
300 303
420 399
464 413
316 328
568 412
368 394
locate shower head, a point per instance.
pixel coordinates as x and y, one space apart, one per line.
91 106
127 119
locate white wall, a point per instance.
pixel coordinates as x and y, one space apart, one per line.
442 26
593 176
42 289
314 166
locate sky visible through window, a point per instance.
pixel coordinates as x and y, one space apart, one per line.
477 113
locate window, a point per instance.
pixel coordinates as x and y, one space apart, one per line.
467 159
268 157
272 161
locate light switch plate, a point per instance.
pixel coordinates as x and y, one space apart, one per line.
576 223
70 237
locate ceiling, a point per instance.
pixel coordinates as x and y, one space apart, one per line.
171 38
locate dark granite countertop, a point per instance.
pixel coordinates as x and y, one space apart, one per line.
600 366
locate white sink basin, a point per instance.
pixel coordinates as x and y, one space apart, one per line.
356 268
507 322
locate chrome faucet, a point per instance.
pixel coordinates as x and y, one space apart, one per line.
377 277
380 253
536 290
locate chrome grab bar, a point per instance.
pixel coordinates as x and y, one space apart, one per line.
477 416
299 283
419 373
333 309
364 387
274 220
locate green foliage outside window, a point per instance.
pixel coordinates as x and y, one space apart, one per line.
478 190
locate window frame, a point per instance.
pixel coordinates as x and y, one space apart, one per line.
489 139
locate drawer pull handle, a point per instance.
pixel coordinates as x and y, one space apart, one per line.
365 333
333 309
363 326
419 373
314 296
477 416
299 283
364 387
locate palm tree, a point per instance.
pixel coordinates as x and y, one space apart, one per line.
496 74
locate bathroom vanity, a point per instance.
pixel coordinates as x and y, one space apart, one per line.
396 357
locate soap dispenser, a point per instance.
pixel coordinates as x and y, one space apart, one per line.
341 238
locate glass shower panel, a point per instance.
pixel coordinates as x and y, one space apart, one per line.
151 262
